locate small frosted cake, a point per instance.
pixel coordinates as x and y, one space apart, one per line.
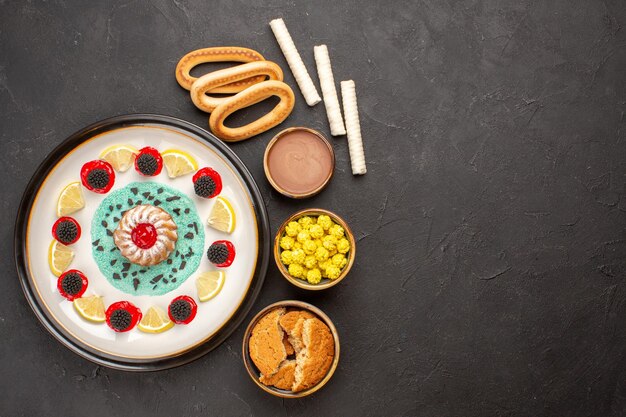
161 277
146 235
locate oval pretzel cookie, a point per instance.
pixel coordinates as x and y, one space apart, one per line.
252 95
217 54
213 80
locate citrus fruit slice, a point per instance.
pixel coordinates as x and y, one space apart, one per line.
90 308
222 216
209 284
155 321
178 163
59 257
121 157
70 199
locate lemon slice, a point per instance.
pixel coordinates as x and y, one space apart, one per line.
222 216
90 308
59 257
121 157
155 320
209 284
178 163
70 199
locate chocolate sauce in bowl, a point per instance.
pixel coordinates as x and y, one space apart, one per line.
299 162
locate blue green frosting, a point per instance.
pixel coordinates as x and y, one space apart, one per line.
156 279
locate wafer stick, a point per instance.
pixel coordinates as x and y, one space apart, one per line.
353 128
295 62
327 82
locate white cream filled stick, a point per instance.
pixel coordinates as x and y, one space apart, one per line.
295 62
327 82
353 127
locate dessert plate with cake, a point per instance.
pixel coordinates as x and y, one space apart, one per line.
142 242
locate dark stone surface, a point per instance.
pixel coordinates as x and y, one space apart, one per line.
492 222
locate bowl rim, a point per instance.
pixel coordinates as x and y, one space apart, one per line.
299 282
251 368
269 177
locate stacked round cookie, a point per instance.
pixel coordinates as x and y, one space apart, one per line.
292 349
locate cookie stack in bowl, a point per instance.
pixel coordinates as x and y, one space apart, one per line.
291 349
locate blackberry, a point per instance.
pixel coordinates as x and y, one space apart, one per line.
147 164
180 310
207 182
204 186
67 232
72 283
120 320
122 316
217 253
98 178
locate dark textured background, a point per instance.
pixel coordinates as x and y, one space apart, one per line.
491 223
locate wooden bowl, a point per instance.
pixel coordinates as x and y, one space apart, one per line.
268 172
254 372
325 282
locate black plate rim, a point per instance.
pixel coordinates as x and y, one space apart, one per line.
19 240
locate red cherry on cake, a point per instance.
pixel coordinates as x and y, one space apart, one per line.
144 235
221 253
97 176
149 162
207 183
72 284
122 316
66 230
182 309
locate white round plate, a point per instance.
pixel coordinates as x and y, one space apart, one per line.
215 319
